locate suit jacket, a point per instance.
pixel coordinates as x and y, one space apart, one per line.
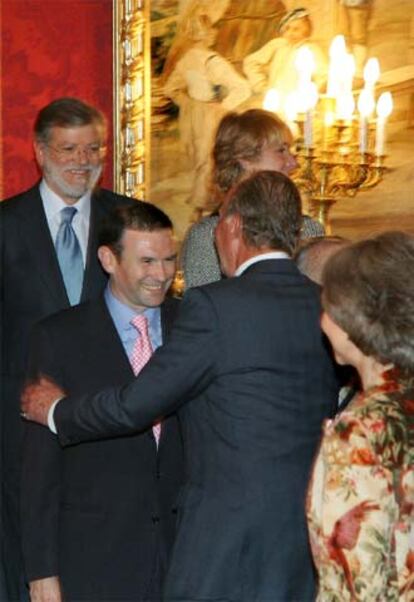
31 287
100 515
249 369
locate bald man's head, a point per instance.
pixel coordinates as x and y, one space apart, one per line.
313 254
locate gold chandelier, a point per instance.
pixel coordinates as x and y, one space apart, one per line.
340 152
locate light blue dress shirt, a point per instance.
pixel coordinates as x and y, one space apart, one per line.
122 315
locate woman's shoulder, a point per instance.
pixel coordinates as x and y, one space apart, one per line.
207 222
311 227
376 427
202 228
198 254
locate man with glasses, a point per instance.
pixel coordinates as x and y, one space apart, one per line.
48 262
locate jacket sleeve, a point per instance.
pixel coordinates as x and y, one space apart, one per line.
177 372
41 474
222 73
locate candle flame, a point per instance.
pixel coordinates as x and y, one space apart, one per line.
306 97
271 100
366 103
384 105
345 106
349 64
290 107
371 72
337 47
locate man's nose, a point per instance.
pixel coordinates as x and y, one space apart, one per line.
160 271
82 154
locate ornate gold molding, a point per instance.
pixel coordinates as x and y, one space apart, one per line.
132 97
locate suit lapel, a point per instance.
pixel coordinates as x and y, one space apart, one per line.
37 236
93 270
106 337
169 310
106 340
109 347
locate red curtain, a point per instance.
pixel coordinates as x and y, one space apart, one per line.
50 48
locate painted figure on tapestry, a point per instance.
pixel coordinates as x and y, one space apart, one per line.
353 20
274 65
205 86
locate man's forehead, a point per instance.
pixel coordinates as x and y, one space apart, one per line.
90 131
158 235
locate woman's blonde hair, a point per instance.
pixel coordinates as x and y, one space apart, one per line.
242 137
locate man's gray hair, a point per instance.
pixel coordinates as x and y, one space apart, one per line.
66 112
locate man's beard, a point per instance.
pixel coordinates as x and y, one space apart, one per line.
54 174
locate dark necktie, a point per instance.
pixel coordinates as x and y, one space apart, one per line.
69 255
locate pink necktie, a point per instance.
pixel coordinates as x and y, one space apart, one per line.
140 355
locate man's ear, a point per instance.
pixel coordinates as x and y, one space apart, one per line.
39 151
235 224
107 258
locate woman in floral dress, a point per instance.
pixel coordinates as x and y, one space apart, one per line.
361 496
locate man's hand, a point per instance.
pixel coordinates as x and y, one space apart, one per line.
45 590
37 398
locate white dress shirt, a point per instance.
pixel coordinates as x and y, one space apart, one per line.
53 204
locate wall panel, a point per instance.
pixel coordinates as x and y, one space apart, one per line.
50 48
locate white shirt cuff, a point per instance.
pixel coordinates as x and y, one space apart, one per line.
50 417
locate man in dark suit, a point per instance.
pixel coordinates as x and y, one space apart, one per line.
98 519
69 144
247 367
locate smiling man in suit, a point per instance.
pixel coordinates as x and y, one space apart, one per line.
48 261
248 369
98 519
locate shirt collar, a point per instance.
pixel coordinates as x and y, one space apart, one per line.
53 204
122 314
263 257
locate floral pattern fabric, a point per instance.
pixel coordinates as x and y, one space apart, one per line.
361 498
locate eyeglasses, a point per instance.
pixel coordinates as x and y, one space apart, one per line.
70 151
